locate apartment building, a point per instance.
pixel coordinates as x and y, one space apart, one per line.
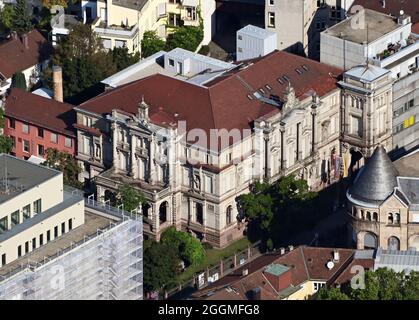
123 22
55 244
383 203
298 23
28 54
388 43
36 123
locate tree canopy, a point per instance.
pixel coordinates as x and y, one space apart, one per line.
85 62
21 18
6 17
161 265
186 37
65 163
273 211
6 143
129 197
381 284
188 248
151 44
19 81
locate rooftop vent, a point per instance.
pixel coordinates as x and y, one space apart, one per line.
282 251
245 272
290 248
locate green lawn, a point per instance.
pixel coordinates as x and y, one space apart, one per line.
213 257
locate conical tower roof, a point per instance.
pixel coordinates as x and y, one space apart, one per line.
377 180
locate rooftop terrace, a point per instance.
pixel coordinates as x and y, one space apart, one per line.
376 25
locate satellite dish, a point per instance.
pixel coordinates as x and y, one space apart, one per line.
330 265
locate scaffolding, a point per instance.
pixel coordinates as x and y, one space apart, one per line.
105 266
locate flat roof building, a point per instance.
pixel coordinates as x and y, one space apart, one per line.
55 244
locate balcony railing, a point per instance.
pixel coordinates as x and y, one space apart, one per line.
102 28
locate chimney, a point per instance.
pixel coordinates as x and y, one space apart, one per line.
14 35
57 77
290 248
282 250
336 255
25 41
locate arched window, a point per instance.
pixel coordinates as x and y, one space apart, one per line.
397 218
368 216
354 211
393 243
163 212
362 215
390 218
229 214
375 216
370 241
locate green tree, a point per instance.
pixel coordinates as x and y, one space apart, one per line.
6 143
129 197
122 58
186 37
6 17
161 265
151 44
65 163
50 3
381 284
327 293
188 248
19 81
83 59
21 18
274 211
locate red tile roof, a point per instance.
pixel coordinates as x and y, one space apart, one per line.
415 28
14 57
40 111
306 263
221 104
392 7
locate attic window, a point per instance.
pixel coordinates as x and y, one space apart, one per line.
304 67
262 91
298 71
250 97
286 78
280 81
268 87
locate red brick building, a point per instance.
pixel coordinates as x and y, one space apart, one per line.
36 123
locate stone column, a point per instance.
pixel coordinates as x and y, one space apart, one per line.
134 164
259 155
115 159
152 166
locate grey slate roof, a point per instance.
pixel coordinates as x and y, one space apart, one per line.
376 180
410 188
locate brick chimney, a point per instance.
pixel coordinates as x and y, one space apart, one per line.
57 77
